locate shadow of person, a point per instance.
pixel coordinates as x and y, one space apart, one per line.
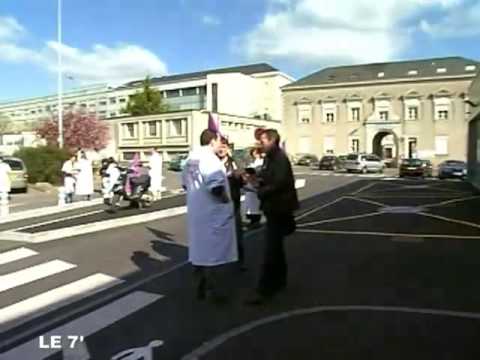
146 263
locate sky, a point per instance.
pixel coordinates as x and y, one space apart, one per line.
114 41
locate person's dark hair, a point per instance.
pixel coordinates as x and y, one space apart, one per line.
207 136
273 134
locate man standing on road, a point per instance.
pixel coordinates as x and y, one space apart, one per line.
279 200
210 216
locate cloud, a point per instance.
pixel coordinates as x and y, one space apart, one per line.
105 64
461 21
211 20
101 63
324 32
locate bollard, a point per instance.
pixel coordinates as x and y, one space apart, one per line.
61 196
4 208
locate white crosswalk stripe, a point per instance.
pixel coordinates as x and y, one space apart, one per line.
15 255
45 300
34 273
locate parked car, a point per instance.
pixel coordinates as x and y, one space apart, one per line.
18 175
178 162
308 160
296 157
329 162
364 163
452 169
416 167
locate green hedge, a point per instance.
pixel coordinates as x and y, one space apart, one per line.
44 164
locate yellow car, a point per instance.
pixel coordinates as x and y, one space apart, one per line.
18 175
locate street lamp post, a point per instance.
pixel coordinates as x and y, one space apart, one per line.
60 74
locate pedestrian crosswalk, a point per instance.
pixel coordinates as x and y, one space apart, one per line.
29 268
25 266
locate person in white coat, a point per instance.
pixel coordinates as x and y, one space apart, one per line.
5 182
84 186
156 173
210 216
69 180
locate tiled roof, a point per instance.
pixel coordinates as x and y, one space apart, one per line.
425 68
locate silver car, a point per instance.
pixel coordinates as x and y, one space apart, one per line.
18 175
364 163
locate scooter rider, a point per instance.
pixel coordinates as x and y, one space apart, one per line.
113 175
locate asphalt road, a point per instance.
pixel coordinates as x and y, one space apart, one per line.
368 278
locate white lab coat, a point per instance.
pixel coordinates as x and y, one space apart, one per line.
211 223
69 181
252 203
5 182
84 177
156 172
113 175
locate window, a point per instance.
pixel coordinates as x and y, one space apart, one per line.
412 113
441 145
383 115
129 130
127 156
122 100
151 129
330 117
441 70
381 74
413 72
470 68
176 128
442 114
355 145
305 113
102 103
356 114
173 93
112 113
113 100
189 91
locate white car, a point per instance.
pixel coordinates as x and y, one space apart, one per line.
364 163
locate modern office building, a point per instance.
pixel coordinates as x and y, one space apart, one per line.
398 109
249 90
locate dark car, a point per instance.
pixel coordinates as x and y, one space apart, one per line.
416 167
452 169
308 160
329 162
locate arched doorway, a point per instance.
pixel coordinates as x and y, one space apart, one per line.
385 145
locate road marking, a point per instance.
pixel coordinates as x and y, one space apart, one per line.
211 345
353 217
366 201
443 203
453 221
53 299
86 325
15 255
430 196
33 273
386 234
309 212
364 188
67 218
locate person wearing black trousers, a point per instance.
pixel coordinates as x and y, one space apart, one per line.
279 201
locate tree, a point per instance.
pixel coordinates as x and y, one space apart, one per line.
146 102
80 130
6 124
